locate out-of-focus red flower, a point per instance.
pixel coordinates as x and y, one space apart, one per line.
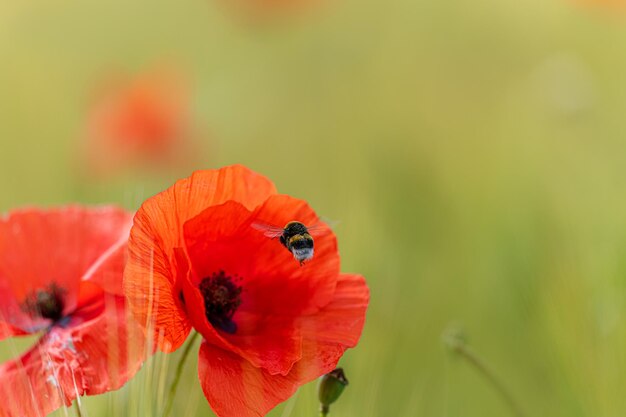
617 5
61 273
261 11
140 121
268 324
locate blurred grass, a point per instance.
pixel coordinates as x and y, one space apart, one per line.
473 152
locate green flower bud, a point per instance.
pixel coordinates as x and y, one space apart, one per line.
330 388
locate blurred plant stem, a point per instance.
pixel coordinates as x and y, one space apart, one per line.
79 413
456 342
179 371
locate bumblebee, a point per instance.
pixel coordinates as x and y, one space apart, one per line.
295 236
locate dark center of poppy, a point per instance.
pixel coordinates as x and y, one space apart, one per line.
47 303
221 296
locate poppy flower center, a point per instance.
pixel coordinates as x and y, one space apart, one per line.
46 303
221 296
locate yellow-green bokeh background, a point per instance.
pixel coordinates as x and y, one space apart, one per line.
473 151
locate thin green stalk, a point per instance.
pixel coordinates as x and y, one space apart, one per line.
179 371
457 344
77 407
489 375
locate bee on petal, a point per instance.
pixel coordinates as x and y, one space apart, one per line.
295 236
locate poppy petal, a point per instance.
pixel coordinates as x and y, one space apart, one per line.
156 301
338 326
6 330
236 388
44 248
97 351
151 272
107 271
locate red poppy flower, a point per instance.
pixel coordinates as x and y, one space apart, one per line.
269 325
145 120
264 11
610 5
60 274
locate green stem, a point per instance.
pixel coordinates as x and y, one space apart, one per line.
77 407
490 376
179 372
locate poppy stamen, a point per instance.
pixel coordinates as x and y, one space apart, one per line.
221 299
47 303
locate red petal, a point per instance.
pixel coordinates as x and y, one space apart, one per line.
6 330
341 321
236 388
151 274
98 351
42 247
108 270
156 301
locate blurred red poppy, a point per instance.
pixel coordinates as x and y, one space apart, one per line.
617 5
269 325
60 274
265 7
264 12
141 121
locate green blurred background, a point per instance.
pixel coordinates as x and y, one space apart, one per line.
473 151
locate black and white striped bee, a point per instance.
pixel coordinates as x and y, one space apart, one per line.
295 236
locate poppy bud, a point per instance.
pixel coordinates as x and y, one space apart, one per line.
330 388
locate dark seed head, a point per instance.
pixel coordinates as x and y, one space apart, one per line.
47 303
221 296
